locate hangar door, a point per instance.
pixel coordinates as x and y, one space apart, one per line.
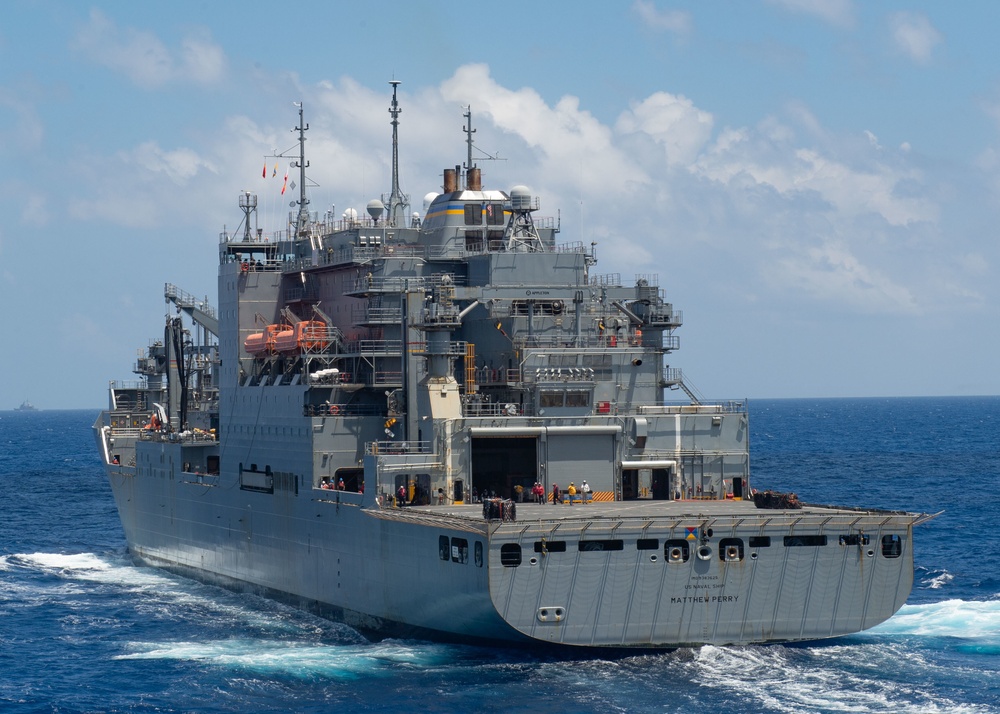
575 457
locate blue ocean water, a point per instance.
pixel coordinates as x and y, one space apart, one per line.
82 629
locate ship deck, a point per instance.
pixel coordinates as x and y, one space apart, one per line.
614 513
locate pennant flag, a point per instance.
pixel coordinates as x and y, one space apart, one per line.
274 171
500 327
285 185
263 174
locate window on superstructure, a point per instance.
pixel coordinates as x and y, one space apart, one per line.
474 241
494 214
479 554
550 399
562 360
577 399
444 551
647 544
473 214
760 541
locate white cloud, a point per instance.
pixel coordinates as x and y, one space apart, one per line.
179 165
835 12
201 59
973 264
832 272
568 143
913 36
671 121
785 208
144 59
20 125
35 210
675 21
791 169
141 187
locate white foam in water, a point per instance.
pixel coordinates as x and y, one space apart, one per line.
780 679
969 619
159 590
95 568
295 658
940 580
62 561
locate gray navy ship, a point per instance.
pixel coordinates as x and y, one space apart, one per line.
452 426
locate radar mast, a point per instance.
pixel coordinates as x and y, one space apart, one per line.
398 203
302 221
469 131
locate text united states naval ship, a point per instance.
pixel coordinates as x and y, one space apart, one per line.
333 433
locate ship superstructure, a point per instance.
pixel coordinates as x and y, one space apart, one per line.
363 424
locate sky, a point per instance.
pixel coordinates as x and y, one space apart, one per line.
814 182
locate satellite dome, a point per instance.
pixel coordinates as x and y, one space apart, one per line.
350 215
375 208
429 199
520 198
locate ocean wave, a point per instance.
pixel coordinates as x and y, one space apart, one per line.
939 580
848 678
163 595
965 619
300 659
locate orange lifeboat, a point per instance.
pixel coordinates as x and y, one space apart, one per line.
313 335
262 343
304 336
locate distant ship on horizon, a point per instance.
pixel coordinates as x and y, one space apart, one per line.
27 406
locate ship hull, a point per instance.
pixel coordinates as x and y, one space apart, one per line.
326 436
419 571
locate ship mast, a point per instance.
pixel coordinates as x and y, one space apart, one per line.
469 131
398 203
303 218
